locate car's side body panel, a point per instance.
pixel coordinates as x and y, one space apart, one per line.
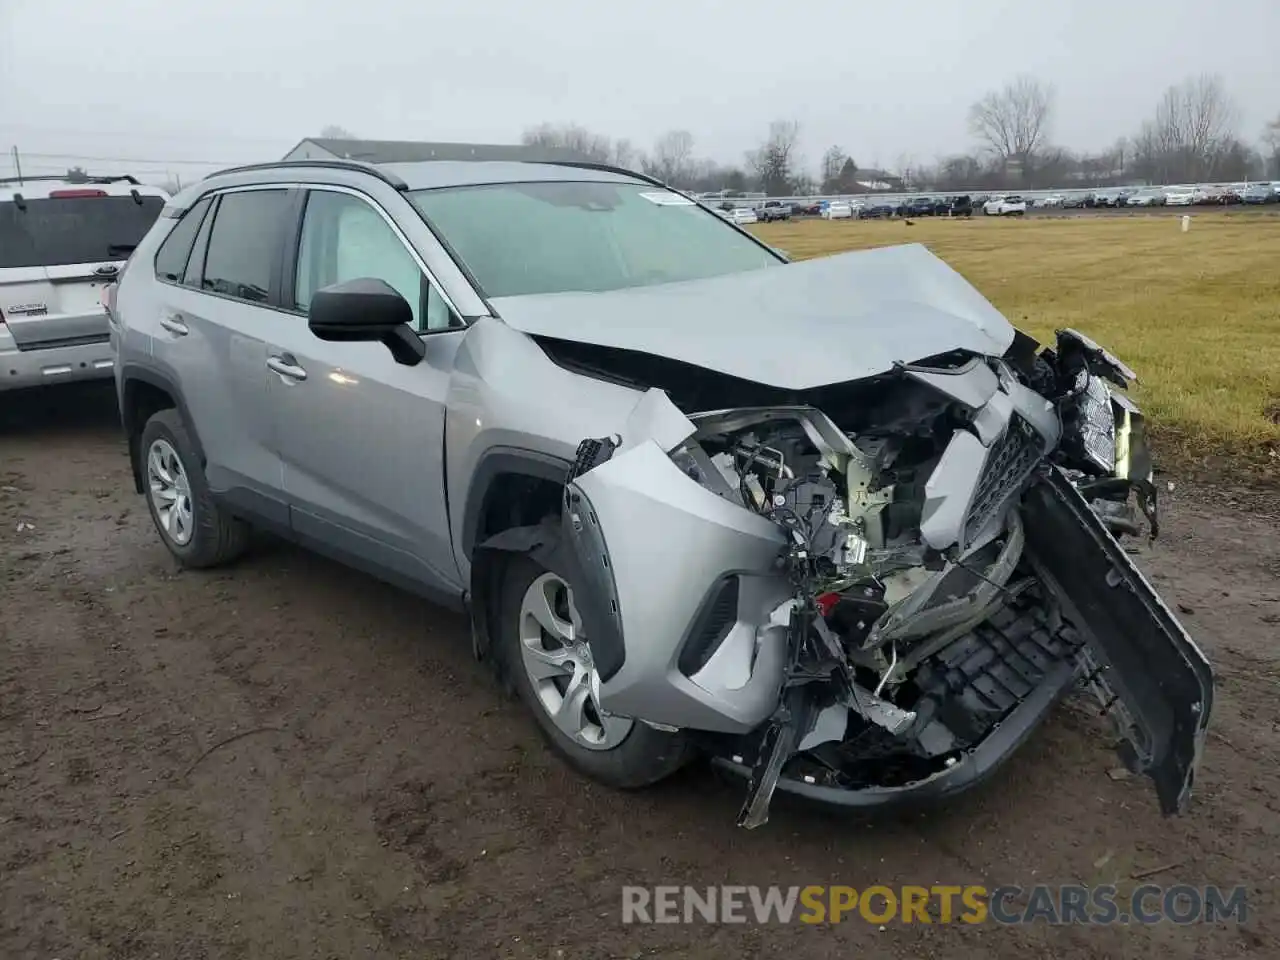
507 396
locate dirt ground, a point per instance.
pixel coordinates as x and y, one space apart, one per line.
380 799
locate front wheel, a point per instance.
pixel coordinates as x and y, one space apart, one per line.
548 657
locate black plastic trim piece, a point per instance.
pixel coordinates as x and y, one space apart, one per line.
286 278
715 618
134 373
117 178
200 247
975 767
83 341
594 588
259 509
493 463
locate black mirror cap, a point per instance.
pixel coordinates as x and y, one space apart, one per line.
366 310
361 309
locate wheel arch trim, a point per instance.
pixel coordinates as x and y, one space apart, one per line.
133 373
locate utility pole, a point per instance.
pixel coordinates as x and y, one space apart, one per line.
17 164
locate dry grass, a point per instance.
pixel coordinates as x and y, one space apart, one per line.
1197 315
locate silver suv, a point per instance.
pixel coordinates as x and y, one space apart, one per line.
62 242
834 523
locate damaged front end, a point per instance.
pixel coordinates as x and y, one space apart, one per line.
880 601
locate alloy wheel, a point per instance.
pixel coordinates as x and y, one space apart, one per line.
170 492
558 662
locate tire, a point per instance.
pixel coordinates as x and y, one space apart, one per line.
642 757
211 537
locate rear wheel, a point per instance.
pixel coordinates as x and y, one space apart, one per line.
197 531
549 659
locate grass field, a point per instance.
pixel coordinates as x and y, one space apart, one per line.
1197 315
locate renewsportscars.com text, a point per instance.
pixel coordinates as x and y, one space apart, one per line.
1062 904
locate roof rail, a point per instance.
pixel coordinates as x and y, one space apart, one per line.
62 176
609 168
336 163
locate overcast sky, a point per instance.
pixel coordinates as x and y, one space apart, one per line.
168 81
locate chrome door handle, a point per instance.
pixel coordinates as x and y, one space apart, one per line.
286 367
174 325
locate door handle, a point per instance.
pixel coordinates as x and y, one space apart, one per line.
173 323
286 366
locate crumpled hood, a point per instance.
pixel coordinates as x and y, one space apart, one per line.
795 326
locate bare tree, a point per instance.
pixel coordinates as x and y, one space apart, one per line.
908 170
580 142
672 158
626 155
1013 122
1271 140
335 132
1191 134
803 184
959 172
774 161
832 163
1209 117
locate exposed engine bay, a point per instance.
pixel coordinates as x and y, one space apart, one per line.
863 599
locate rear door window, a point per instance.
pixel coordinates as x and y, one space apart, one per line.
71 230
244 244
171 259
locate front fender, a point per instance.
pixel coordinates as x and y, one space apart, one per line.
662 563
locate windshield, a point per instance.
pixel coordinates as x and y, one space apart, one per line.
64 230
554 237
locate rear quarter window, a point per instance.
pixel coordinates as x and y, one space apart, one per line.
171 259
65 230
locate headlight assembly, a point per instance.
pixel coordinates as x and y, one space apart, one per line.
1097 424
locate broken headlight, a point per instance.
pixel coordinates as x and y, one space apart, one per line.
1096 422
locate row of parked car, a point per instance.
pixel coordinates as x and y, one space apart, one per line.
859 208
1183 196
964 205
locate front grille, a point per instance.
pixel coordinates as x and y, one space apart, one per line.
1010 462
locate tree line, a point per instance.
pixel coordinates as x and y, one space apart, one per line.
1192 136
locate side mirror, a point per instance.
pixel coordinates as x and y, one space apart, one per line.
367 310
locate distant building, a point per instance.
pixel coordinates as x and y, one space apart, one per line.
410 151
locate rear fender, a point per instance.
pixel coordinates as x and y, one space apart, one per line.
1155 682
